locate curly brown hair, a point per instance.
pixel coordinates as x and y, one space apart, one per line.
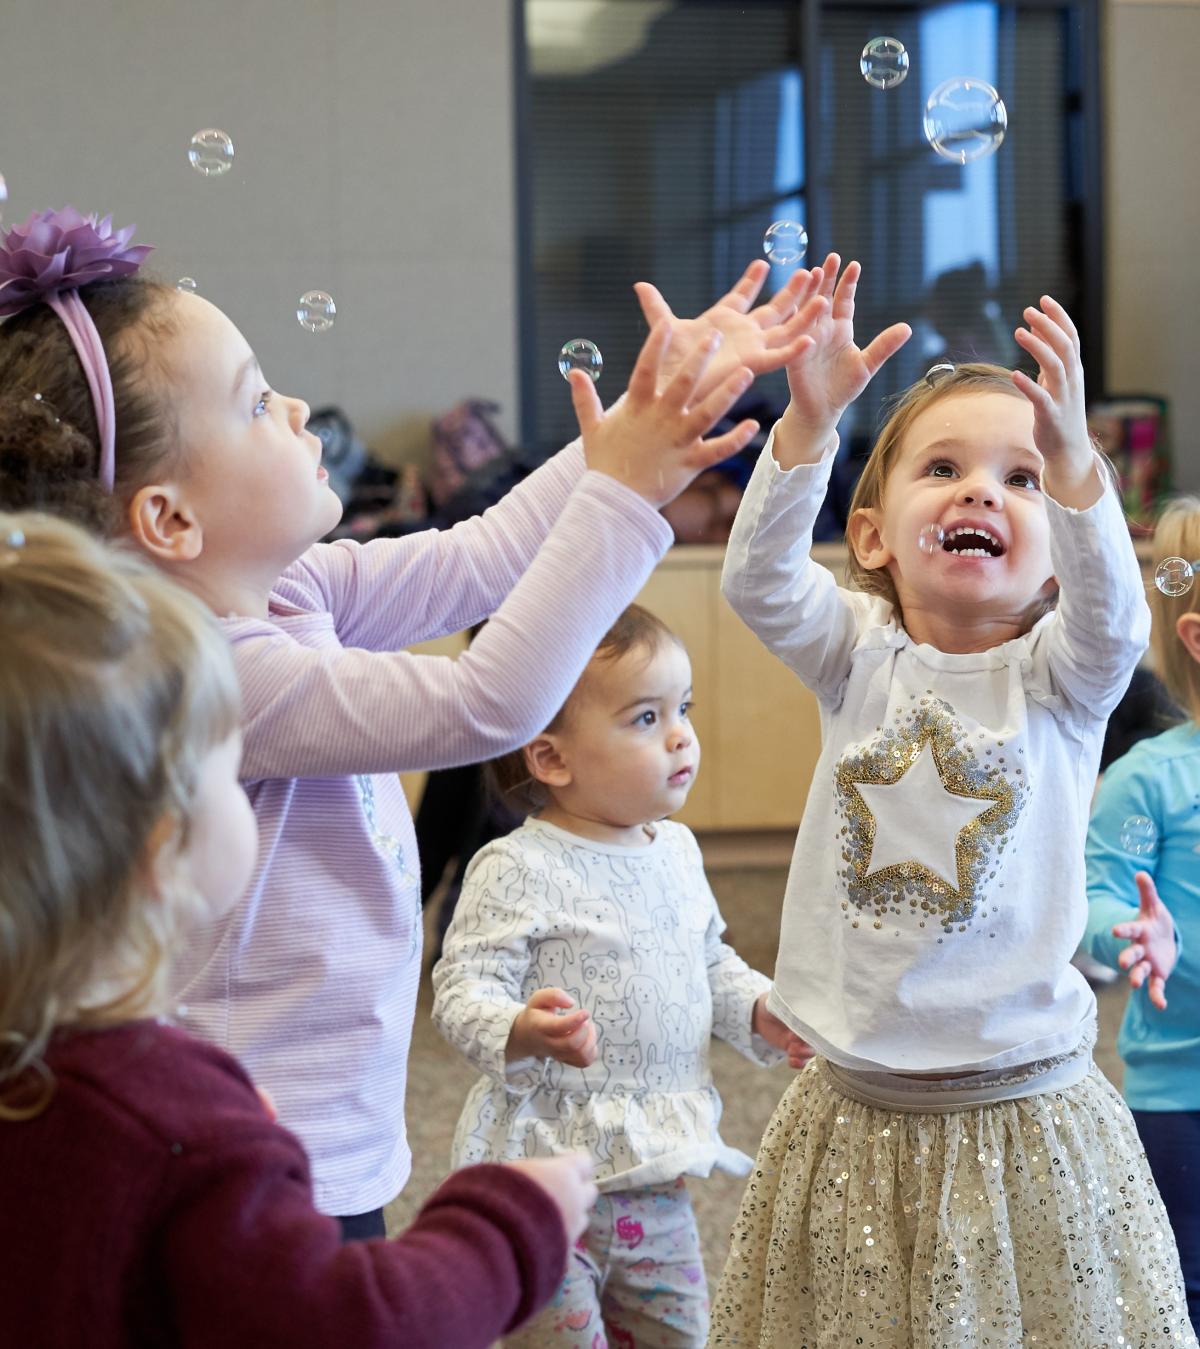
49 440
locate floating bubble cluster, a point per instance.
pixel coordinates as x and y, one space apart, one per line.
884 62
785 242
211 153
580 354
1139 837
316 311
965 119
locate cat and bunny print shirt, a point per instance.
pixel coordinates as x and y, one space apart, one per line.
633 935
937 890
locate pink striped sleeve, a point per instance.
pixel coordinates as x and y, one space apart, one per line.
393 592
312 708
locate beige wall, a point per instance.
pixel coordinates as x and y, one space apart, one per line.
373 160
1153 199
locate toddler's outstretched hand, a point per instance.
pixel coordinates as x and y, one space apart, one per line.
568 1181
650 440
763 338
831 372
1059 406
567 1034
779 1034
1151 951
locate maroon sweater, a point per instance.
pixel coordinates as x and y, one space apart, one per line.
154 1203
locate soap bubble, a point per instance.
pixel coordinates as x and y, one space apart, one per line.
785 242
187 283
1173 576
1139 836
315 311
884 62
211 153
931 538
936 373
580 354
965 120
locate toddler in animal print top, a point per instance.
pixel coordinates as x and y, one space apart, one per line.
584 974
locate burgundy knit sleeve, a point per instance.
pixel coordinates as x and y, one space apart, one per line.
248 1260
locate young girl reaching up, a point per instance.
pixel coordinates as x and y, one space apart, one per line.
584 974
143 409
1142 844
952 1169
147 1198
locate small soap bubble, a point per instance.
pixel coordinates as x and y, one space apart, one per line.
1139 836
187 283
211 153
1173 576
884 62
965 120
936 373
785 242
580 354
931 538
316 311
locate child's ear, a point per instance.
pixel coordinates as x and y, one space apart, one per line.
864 532
544 759
1188 628
163 523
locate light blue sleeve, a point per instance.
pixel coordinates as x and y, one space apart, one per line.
1130 788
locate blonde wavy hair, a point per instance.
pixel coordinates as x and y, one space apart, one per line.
969 377
114 686
1177 534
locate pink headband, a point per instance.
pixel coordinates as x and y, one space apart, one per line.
45 261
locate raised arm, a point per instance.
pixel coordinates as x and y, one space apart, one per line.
1102 623
787 600
391 593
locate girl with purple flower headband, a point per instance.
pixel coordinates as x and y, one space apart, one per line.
156 425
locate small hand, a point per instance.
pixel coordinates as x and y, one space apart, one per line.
778 1033
827 376
568 1180
547 1028
1059 406
763 338
651 441
1151 952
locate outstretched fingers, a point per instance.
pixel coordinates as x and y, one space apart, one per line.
843 295
654 308
643 383
715 450
678 394
743 295
881 350
589 411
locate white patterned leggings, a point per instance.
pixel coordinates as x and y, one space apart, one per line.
636 1279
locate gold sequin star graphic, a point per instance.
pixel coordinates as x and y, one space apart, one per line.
922 823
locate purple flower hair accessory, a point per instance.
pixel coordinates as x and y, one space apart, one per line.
62 250
45 261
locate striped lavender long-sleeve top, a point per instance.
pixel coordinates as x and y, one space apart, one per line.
311 981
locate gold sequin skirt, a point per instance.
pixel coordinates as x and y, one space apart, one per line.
1030 1221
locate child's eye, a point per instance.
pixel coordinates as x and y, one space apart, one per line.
1028 481
647 718
940 470
685 709
260 408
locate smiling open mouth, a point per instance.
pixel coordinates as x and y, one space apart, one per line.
967 541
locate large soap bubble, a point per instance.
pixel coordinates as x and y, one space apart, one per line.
965 119
580 354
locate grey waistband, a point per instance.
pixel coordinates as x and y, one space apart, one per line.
897 1091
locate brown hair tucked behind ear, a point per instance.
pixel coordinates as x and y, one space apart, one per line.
509 776
49 447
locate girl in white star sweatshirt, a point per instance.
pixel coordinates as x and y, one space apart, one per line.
951 1169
